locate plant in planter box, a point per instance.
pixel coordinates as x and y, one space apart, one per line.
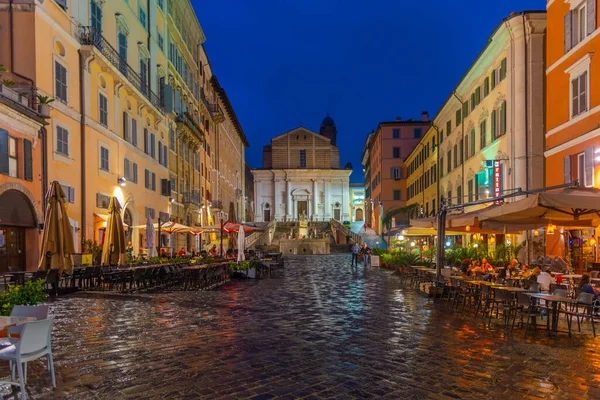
93 248
43 106
31 294
8 83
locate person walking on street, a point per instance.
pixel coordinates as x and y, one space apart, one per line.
366 253
355 251
365 227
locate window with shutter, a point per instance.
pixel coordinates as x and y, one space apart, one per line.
579 94
502 118
152 145
589 166
71 197
448 128
147 179
126 171
449 161
4 152
160 153
103 109
473 141
493 79
60 78
591 16
493 125
153 181
28 167
482 134
567 169
486 86
467 147
503 69
134 173
134 132
62 141
456 155
126 133
458 117
568 37
462 155
146 141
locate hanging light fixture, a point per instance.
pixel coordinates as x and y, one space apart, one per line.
550 229
468 228
536 233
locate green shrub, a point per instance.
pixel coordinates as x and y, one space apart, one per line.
17 295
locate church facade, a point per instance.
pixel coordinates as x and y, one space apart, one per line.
301 176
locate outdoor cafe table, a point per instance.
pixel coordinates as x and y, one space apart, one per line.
555 300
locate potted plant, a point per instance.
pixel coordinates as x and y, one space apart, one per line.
30 294
6 90
93 248
43 104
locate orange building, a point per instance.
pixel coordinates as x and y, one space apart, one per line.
572 106
388 146
22 176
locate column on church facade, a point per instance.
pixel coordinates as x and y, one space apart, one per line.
278 200
288 196
315 196
346 200
327 199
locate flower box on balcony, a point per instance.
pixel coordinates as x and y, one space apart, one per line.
44 109
8 92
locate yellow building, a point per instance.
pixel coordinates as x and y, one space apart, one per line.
135 114
422 175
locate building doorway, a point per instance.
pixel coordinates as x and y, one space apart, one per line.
359 215
18 231
336 214
302 208
267 213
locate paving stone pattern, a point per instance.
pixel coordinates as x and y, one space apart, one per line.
320 332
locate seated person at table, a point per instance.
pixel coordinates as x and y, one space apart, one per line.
511 269
545 279
181 252
487 267
464 266
213 250
163 253
586 285
525 269
502 274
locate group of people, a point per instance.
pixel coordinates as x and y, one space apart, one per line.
363 252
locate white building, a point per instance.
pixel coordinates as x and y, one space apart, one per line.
301 175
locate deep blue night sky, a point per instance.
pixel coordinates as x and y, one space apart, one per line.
287 63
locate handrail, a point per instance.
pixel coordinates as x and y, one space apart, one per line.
254 237
90 36
337 225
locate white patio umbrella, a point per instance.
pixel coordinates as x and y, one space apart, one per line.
150 238
241 244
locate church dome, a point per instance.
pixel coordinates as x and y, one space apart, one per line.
328 121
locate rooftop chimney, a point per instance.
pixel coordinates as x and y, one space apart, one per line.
398 119
425 116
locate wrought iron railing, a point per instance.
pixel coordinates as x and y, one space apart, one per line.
90 36
216 204
192 197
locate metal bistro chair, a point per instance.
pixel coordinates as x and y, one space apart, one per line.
502 303
527 308
52 281
34 343
485 299
586 301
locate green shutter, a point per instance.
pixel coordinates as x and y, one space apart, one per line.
28 160
3 152
458 117
503 118
473 141
493 125
486 86
503 69
493 79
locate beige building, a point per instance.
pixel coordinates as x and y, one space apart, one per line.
229 195
491 128
301 175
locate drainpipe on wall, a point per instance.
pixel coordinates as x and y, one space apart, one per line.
43 135
82 146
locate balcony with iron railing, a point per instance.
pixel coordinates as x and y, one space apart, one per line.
192 197
88 36
216 205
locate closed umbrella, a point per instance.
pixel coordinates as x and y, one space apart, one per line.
57 242
113 251
241 244
150 238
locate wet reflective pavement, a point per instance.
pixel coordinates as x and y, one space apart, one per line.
320 332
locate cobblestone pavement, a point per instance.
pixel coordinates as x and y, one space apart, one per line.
320 332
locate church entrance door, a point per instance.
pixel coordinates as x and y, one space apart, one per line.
302 208
336 214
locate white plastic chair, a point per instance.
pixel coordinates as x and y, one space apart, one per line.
34 343
37 312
